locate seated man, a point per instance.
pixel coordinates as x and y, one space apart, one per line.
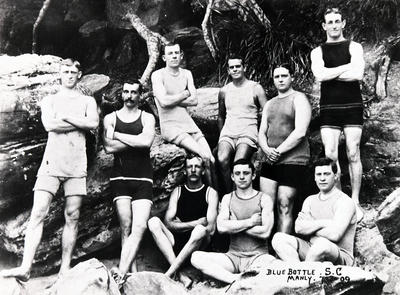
247 215
174 91
327 219
189 220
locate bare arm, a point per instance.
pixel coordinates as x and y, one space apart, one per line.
271 153
212 210
161 95
91 119
221 109
192 99
267 216
356 72
323 73
302 120
305 224
260 95
232 226
50 122
173 222
111 145
335 229
144 139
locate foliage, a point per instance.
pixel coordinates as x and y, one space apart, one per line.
296 29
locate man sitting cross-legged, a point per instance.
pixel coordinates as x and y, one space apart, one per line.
327 220
189 220
247 215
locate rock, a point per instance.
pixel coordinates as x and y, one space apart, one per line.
11 286
152 283
306 278
387 220
90 277
83 11
125 50
93 83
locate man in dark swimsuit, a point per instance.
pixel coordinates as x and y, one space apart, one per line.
189 220
128 134
339 65
247 215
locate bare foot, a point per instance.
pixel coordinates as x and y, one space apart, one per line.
18 272
185 280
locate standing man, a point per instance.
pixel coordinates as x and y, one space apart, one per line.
189 220
339 65
247 215
66 116
327 220
282 137
174 90
128 134
239 103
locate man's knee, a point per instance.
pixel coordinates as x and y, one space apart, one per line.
197 259
353 154
139 228
154 224
280 239
224 157
198 233
331 152
285 203
71 215
320 249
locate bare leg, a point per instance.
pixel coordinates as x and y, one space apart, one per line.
353 138
215 265
330 139
269 187
225 155
262 261
285 247
163 238
124 212
195 240
323 250
34 231
286 195
140 216
70 232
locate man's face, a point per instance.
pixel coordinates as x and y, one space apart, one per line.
172 55
194 169
334 25
242 176
69 76
324 178
235 68
282 79
130 94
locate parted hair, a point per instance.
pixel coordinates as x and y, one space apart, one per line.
325 161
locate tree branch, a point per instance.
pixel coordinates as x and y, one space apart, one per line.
42 12
204 26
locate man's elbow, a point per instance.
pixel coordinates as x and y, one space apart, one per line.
333 236
221 229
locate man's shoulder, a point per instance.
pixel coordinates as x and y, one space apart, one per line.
157 74
147 115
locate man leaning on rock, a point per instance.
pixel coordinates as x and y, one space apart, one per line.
66 116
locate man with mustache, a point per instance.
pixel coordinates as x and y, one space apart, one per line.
129 134
189 220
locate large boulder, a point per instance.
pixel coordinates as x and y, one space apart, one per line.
11 286
149 283
90 277
306 278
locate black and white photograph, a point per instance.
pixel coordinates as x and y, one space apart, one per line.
193 147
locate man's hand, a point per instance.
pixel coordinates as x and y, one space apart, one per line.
256 219
272 155
202 221
186 93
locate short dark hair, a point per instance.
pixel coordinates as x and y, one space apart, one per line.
332 10
244 162
170 44
285 65
325 161
70 62
235 56
190 156
135 81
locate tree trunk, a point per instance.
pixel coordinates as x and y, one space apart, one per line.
204 26
42 12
